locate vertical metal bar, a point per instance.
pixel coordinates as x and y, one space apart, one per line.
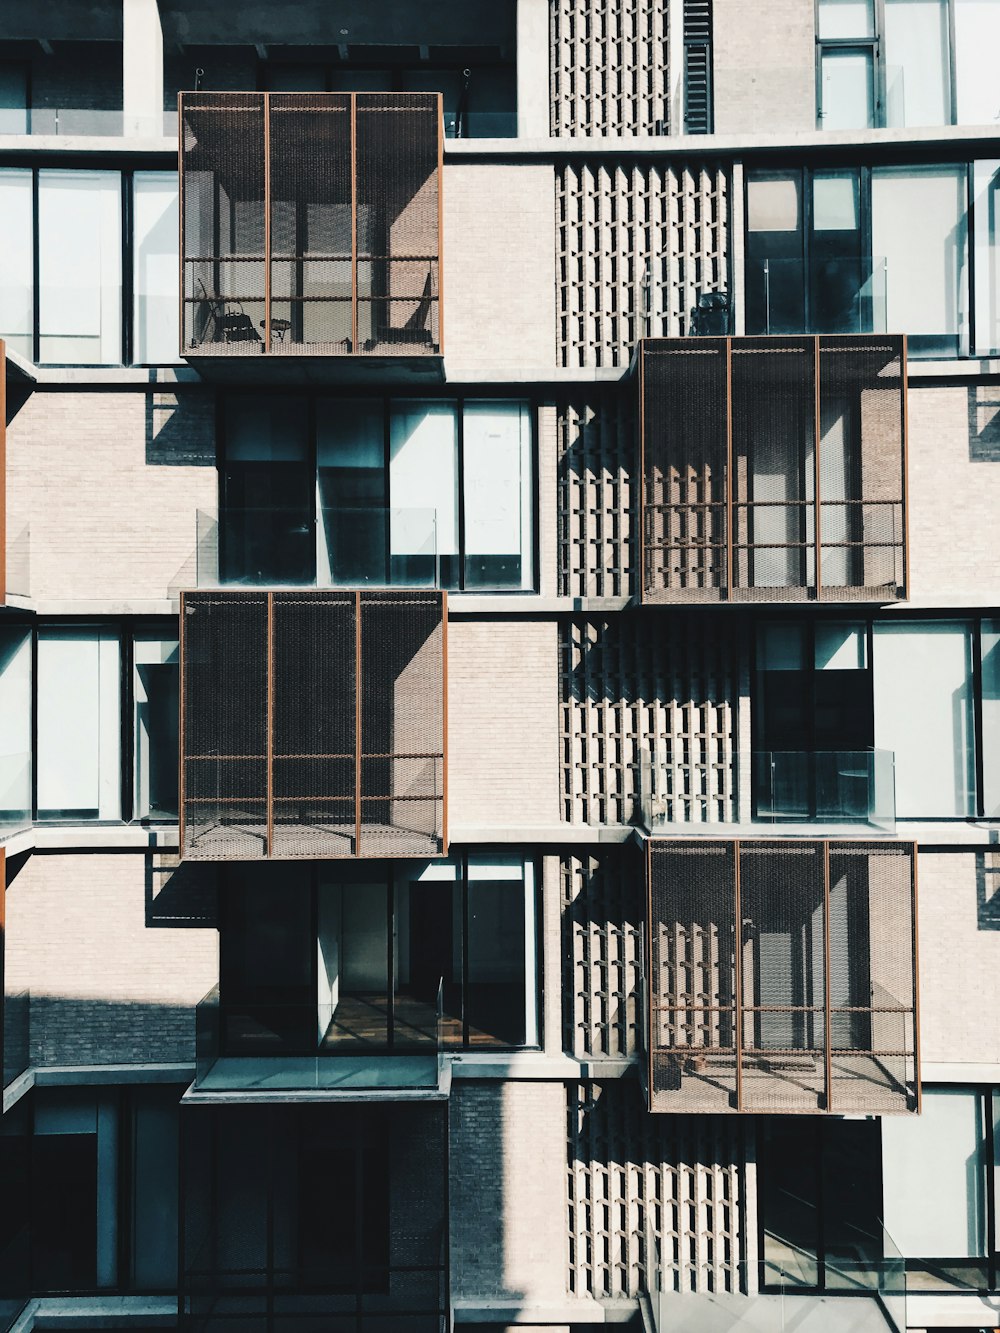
905 391
916 984
269 847
3 472
267 221
180 727
444 722
738 974
440 237
357 720
3 951
354 224
979 771
827 1025
817 538
729 468
643 553
180 223
648 959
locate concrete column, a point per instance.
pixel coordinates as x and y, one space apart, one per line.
142 59
552 957
533 96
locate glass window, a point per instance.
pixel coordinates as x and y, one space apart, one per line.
351 496
80 267
923 714
847 88
155 279
773 205
925 264
155 686
990 643
501 991
977 41
16 261
497 495
918 90
423 484
986 199
840 19
153 1211
13 98
79 723
15 738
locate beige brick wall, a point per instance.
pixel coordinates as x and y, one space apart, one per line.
113 968
959 960
109 484
499 266
508 1191
503 723
764 66
954 462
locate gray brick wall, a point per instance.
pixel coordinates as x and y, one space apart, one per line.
764 75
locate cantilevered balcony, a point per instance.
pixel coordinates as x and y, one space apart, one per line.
773 469
310 225
312 724
781 977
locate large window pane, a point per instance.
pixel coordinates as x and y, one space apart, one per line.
977 41
991 718
80 267
351 479
923 713
15 720
918 90
156 267
16 251
838 19
423 486
156 712
154 1188
79 724
847 88
502 984
497 495
925 264
986 199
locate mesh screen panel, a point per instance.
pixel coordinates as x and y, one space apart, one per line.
398 189
224 758
748 503
402 724
273 762
862 540
781 899
826 977
684 469
311 227
223 202
314 734
350 186
692 977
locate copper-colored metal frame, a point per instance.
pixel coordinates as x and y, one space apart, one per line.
353 97
3 472
740 1010
727 593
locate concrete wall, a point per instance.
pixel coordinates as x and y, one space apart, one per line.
109 484
499 267
508 1191
954 456
113 967
765 62
959 939
503 724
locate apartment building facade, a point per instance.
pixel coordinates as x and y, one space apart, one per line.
501 660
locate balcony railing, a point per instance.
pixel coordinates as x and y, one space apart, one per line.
16 1035
371 1041
15 793
374 546
311 224
835 295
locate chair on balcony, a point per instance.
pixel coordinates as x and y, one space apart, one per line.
415 332
221 319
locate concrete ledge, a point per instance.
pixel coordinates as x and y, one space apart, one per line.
510 1310
103 1312
107 145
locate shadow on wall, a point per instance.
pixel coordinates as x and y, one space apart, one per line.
988 890
181 896
180 429
984 423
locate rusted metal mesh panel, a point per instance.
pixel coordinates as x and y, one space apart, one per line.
398 216
783 987
402 724
684 521
224 756
773 482
691 986
314 734
861 483
223 202
872 950
312 283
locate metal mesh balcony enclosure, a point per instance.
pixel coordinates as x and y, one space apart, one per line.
312 724
310 224
773 469
814 1009
314 1217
